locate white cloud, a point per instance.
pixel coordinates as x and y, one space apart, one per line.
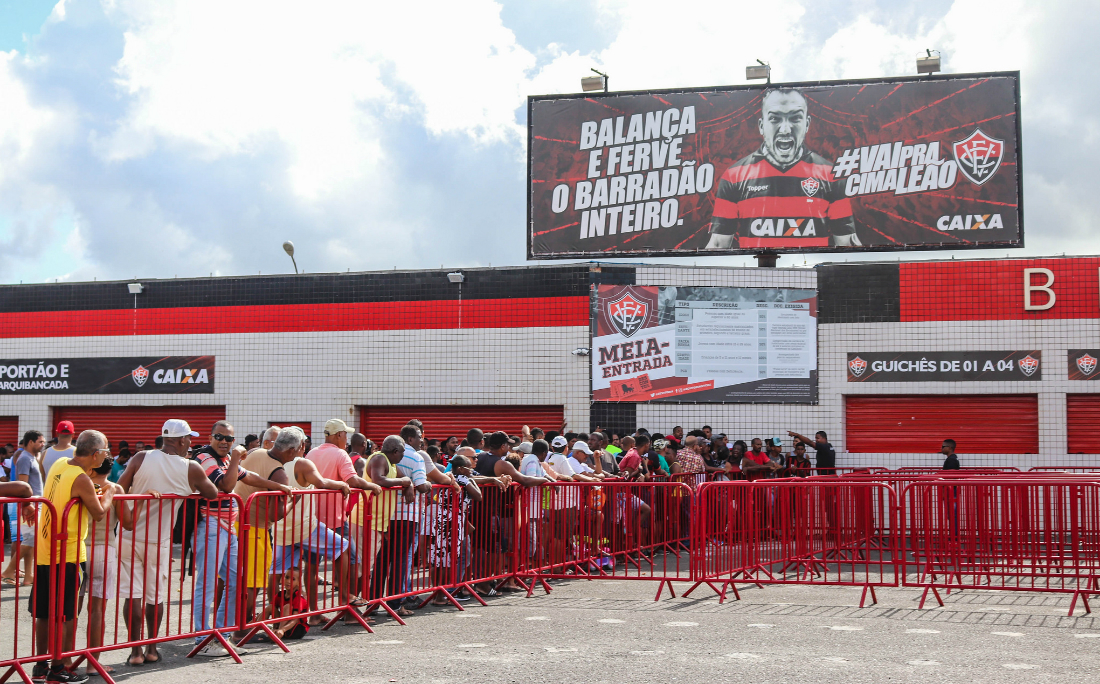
378 134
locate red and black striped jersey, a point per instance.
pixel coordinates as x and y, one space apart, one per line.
766 207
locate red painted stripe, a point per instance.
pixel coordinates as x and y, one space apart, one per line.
784 242
788 207
521 312
841 208
764 169
725 209
994 290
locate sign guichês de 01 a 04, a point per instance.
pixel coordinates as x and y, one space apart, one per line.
944 366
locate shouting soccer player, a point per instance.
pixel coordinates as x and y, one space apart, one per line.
783 194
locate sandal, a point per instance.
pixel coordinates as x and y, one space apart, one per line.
405 612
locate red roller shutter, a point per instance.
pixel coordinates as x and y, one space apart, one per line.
305 425
1083 423
139 423
9 430
979 424
441 422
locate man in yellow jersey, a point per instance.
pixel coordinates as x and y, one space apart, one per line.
67 479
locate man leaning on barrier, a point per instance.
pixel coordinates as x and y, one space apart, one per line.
145 553
68 479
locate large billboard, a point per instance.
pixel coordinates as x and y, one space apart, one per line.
889 164
704 345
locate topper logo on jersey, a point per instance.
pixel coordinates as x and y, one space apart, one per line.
979 156
857 366
627 314
1029 364
1086 364
810 186
784 227
140 375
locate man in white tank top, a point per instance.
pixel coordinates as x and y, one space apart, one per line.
145 553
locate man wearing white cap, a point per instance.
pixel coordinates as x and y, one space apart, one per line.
579 464
145 552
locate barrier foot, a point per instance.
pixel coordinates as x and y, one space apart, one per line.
693 587
436 593
354 613
386 607
1084 601
545 585
729 585
17 668
266 628
863 598
925 596
661 587
469 590
225 644
209 637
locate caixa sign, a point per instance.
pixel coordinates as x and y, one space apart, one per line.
998 366
108 375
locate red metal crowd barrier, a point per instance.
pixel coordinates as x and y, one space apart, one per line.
282 564
1020 534
799 531
610 530
19 646
1064 469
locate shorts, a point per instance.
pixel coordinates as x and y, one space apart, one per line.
296 632
40 599
145 570
103 571
322 543
563 522
257 554
626 504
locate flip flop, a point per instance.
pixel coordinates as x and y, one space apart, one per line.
153 662
8 581
129 662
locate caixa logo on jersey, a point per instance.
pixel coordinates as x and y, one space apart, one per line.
783 227
627 313
1028 365
979 156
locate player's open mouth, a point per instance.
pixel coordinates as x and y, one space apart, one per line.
784 144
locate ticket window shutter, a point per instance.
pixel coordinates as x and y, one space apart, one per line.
441 422
139 423
9 430
1083 423
979 424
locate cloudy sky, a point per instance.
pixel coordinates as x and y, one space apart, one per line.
162 137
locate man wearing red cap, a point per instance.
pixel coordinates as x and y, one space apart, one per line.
64 449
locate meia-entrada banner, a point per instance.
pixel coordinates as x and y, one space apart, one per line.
905 163
704 344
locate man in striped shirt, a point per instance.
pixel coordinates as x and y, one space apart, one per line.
215 540
782 195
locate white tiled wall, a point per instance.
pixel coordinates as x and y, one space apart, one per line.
316 376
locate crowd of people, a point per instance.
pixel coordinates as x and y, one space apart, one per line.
132 541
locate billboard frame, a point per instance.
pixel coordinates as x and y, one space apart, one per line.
1020 244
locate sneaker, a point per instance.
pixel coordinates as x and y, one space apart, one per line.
215 650
462 598
38 674
63 675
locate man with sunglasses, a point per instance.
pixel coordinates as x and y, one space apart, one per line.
216 532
